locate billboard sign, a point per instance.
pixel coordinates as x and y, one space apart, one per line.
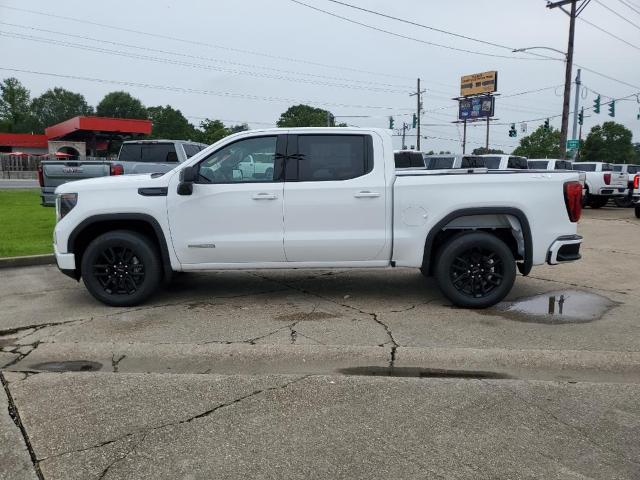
479 83
476 107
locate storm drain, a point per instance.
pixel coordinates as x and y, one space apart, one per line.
68 366
418 372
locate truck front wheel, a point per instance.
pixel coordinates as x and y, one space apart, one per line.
121 268
475 270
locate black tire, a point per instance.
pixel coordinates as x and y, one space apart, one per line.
489 262
623 202
585 198
637 211
598 202
121 268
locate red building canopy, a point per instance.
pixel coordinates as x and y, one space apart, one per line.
77 126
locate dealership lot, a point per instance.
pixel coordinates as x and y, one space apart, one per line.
251 374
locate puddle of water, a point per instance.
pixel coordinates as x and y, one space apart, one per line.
304 316
421 373
563 306
68 366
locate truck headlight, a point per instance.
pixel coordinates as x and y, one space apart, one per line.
65 203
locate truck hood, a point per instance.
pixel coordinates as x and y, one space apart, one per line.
111 183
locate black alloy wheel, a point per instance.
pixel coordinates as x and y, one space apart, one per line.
119 271
477 272
121 268
475 269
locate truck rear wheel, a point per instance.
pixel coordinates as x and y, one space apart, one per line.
121 268
598 201
638 211
475 270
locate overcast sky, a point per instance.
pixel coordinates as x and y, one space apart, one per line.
247 61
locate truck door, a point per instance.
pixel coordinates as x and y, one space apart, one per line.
232 217
334 199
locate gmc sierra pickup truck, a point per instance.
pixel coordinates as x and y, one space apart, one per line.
135 156
601 184
333 200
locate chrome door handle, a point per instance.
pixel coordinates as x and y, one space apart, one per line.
264 196
366 194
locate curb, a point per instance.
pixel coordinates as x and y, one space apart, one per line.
28 261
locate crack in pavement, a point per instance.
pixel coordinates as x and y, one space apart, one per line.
115 362
146 431
373 315
121 458
21 355
15 416
40 326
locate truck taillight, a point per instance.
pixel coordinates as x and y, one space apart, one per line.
116 169
573 200
40 176
607 179
636 182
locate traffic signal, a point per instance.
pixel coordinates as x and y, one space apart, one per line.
546 124
581 116
391 122
596 104
512 131
415 120
612 108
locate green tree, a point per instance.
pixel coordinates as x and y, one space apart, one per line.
57 105
305 116
171 124
121 105
486 151
15 113
609 142
541 143
212 130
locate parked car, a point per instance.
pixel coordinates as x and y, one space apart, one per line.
335 200
135 156
505 162
631 170
636 194
602 183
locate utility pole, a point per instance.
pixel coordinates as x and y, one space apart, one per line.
418 96
404 134
328 118
575 106
573 14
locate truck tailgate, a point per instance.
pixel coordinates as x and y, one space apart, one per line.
57 172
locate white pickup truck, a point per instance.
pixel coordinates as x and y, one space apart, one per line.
334 200
601 183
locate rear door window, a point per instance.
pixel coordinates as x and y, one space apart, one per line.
585 167
517 162
438 163
492 162
333 157
563 165
539 164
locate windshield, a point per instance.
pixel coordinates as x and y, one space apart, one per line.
617 168
563 165
538 164
437 163
472 161
606 167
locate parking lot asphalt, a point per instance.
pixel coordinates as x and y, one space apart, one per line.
329 374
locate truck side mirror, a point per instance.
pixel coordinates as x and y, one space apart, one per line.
188 175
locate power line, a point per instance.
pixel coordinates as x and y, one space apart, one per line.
618 14
200 92
137 56
609 33
630 6
85 21
406 37
409 22
199 57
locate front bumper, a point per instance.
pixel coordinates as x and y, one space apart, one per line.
564 249
66 262
48 197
